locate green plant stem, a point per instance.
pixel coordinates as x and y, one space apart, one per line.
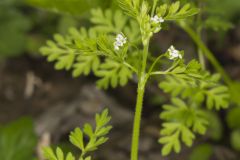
206 51
159 73
154 63
200 52
201 58
137 120
139 104
130 66
199 32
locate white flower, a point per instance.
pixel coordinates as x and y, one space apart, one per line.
173 53
120 41
157 19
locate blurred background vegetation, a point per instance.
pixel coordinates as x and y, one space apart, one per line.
56 103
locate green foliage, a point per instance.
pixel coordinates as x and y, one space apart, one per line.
18 140
108 21
10 2
131 7
81 51
113 73
111 50
216 23
50 155
233 118
183 122
13 29
212 15
218 97
215 127
235 139
234 91
65 51
195 85
75 7
190 81
96 137
202 152
175 12
230 6
60 51
115 22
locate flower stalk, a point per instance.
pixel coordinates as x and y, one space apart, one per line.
143 77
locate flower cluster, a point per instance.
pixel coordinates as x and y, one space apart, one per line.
157 20
173 53
156 23
120 41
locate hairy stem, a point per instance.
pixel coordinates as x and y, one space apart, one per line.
137 120
139 105
206 52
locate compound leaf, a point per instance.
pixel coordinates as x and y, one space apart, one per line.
74 7
175 12
96 137
181 124
113 73
59 155
76 138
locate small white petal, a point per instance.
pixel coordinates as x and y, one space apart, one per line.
157 19
173 53
154 19
161 20
120 41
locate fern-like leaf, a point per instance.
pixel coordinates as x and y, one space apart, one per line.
113 73
108 21
96 137
85 64
217 97
182 123
50 155
128 7
60 51
175 12
113 22
190 81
